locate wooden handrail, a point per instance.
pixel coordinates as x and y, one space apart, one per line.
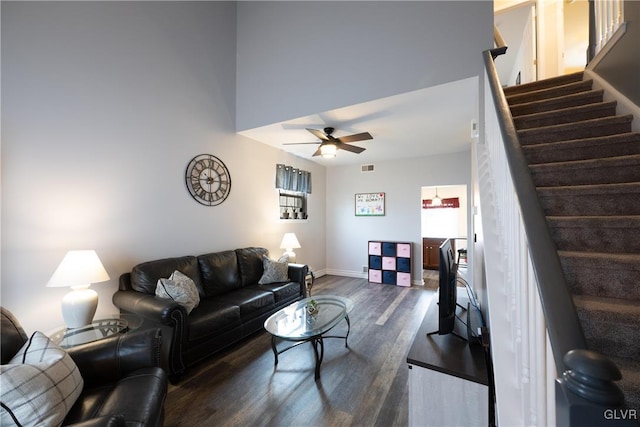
563 325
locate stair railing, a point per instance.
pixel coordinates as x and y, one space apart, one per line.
605 18
534 325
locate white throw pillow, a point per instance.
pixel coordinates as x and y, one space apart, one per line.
39 385
179 288
274 271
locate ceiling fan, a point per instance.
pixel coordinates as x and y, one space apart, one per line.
330 144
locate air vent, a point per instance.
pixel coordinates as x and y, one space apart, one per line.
367 168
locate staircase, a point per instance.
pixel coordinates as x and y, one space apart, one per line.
585 163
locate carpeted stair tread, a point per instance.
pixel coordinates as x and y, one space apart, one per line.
546 83
573 100
583 129
553 92
601 199
566 115
585 148
630 383
611 275
585 162
612 234
610 325
609 170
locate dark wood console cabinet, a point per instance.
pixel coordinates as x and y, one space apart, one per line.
430 256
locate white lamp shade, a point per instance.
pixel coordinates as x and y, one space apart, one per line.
79 269
290 241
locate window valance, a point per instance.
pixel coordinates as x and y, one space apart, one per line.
293 179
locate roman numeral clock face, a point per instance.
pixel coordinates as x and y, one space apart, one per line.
208 180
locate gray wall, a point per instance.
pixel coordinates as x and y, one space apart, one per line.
621 66
402 182
103 106
301 58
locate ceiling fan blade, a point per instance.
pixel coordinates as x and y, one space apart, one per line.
300 143
352 148
355 137
317 153
319 134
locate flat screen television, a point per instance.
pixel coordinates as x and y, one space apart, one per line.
447 290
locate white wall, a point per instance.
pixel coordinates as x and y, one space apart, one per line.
402 182
103 106
301 58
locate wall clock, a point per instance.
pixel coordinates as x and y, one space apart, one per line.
208 180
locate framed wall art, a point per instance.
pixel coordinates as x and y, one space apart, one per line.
369 204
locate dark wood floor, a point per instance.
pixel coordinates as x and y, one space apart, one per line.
365 384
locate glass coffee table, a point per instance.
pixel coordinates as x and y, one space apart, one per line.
98 329
300 324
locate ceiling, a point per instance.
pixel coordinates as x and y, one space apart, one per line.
431 121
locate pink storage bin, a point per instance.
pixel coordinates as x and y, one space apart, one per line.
375 276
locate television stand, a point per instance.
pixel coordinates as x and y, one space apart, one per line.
448 379
452 332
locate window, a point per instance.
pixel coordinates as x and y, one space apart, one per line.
293 205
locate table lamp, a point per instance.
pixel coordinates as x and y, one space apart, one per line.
289 243
79 269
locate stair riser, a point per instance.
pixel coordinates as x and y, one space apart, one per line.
545 84
549 93
596 204
599 331
558 174
596 238
593 112
580 151
593 278
586 131
577 100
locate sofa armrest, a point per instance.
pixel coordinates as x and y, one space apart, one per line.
166 314
107 360
150 307
298 273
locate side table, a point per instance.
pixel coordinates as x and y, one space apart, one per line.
98 329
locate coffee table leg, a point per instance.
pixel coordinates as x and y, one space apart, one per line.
318 356
275 350
348 330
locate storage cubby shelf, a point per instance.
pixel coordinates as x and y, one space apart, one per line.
390 262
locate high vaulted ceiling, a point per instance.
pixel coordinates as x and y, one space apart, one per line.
431 121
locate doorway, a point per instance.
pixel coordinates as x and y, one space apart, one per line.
446 218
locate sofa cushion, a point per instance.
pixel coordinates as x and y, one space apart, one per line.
144 276
211 317
39 384
219 272
252 301
137 397
179 288
250 264
281 291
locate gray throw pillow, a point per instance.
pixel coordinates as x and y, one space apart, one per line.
179 288
39 384
275 271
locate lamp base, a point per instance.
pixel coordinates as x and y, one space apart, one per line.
291 254
79 306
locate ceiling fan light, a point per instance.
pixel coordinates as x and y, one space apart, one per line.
328 150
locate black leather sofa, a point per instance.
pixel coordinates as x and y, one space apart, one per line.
232 303
123 383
